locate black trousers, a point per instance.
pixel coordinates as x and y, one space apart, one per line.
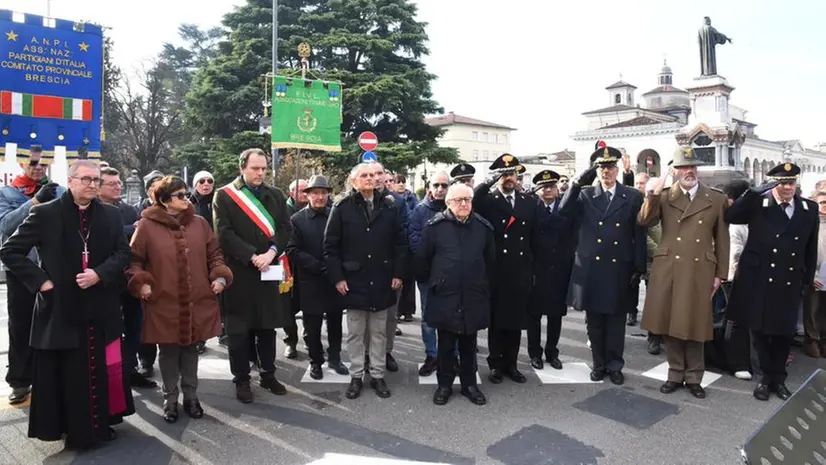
447 354
261 341
407 300
634 299
738 347
132 328
20 306
312 336
147 353
553 330
607 335
504 348
772 351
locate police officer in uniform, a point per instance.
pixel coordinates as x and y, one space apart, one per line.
777 264
512 215
610 255
462 173
553 258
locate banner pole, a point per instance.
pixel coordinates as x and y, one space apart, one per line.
275 156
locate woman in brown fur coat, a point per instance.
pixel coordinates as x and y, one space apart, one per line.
178 271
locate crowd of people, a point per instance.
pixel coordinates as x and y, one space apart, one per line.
98 290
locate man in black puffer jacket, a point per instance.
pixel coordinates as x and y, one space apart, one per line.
455 258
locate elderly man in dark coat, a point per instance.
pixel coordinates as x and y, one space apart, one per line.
777 264
306 252
512 214
610 256
455 260
553 259
365 250
253 227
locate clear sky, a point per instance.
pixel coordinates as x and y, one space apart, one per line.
537 65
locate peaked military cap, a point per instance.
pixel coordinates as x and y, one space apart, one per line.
506 163
685 156
784 172
606 156
462 171
545 178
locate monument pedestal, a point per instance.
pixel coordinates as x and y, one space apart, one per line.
709 96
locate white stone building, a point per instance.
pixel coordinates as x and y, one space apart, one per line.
701 117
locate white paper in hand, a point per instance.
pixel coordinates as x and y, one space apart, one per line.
273 273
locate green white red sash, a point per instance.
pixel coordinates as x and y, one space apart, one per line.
249 204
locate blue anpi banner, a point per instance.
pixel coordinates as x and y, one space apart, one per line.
51 86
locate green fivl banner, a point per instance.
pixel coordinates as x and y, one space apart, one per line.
306 114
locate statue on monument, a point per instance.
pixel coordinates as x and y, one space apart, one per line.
709 38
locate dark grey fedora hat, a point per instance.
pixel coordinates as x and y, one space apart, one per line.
317 182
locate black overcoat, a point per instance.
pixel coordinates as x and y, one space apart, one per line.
778 260
251 303
455 259
365 252
554 247
513 233
61 314
306 252
611 247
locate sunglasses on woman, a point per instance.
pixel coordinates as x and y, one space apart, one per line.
179 196
205 181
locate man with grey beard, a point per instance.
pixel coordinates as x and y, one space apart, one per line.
688 268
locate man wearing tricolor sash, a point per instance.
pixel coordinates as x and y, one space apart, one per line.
253 227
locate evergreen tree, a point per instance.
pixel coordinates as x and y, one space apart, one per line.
374 47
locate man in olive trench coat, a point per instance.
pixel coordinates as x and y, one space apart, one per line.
254 308
688 266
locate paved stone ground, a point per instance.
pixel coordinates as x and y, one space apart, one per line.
554 419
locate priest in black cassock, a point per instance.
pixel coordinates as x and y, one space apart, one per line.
79 387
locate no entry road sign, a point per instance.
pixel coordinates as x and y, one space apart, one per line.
368 141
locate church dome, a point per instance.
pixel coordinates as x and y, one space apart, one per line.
666 69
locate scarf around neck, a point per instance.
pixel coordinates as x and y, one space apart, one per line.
29 185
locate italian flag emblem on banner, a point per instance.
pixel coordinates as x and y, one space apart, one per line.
45 106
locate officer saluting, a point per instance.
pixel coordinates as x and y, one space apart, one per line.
512 215
610 254
776 265
462 173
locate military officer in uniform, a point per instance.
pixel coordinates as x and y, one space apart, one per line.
553 258
462 173
777 264
610 255
688 266
512 215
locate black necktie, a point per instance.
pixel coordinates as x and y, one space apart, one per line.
785 206
509 198
688 195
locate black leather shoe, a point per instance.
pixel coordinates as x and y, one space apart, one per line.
516 376
495 376
339 367
193 408
391 364
555 363
398 332
243 392
271 384
354 389
696 390
670 386
536 362
474 395
291 352
597 375
632 320
200 347
442 395
110 435
782 391
428 367
761 392
18 395
138 381
315 371
380 387
170 412
617 378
